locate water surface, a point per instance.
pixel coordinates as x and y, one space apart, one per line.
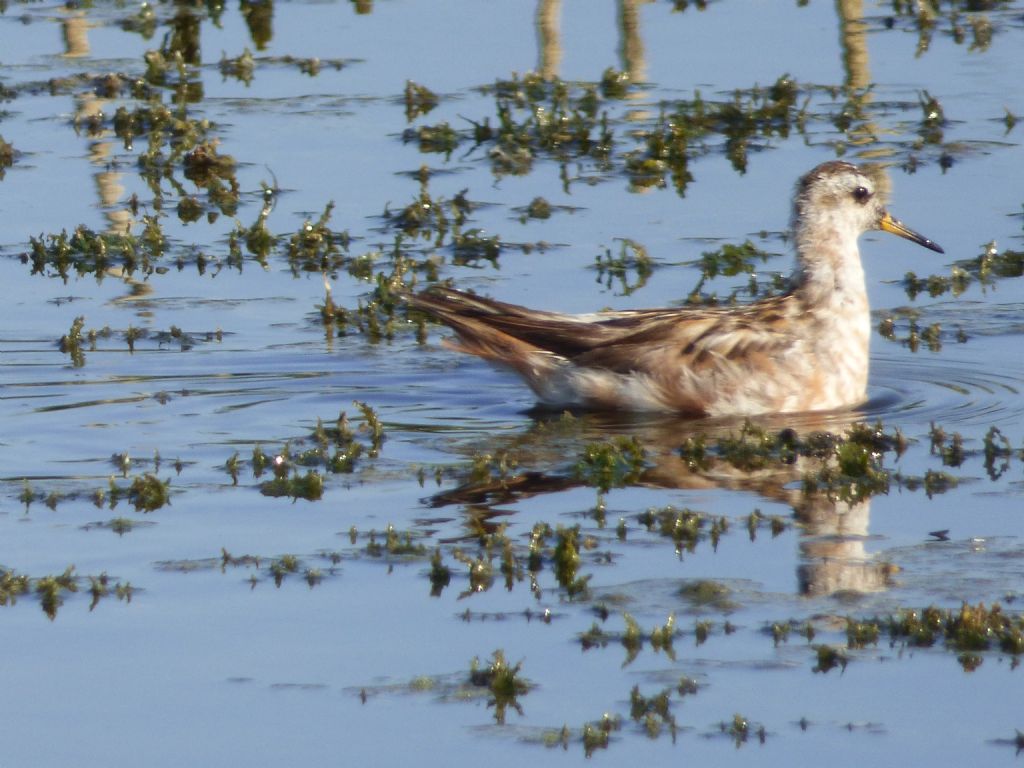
267 629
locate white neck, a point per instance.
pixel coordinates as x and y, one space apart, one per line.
834 278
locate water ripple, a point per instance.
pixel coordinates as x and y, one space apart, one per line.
945 390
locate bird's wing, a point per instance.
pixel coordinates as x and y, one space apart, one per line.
476 319
643 340
696 339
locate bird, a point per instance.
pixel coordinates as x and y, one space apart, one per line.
799 351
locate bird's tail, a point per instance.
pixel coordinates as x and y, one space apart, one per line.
468 316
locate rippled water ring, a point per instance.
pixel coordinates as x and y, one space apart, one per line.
945 390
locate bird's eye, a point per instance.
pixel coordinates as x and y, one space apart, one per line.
861 194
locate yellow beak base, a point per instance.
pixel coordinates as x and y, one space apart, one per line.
896 227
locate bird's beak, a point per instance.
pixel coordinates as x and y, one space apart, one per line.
896 227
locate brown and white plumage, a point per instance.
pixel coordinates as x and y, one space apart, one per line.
804 350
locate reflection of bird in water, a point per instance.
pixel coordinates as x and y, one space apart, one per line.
804 350
832 532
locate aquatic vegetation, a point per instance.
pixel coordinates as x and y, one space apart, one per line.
282 566
6 156
241 67
503 681
707 594
971 628
986 269
611 464
861 633
419 100
535 116
684 128
371 425
440 574
78 339
440 138
847 467
192 198
596 735
539 208
399 545
334 449
632 638
967 632
71 342
740 729
731 261
100 587
997 453
828 658
632 257
683 526
948 18
12 586
932 482
653 712
499 468
52 590
309 486
566 561
118 525
277 569
88 252
148 493
315 247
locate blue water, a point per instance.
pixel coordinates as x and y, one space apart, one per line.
217 664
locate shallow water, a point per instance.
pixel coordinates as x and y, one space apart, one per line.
348 657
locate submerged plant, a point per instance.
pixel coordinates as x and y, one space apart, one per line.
6 156
52 590
612 463
504 682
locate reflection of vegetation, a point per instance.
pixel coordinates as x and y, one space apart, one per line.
731 261
278 569
904 326
536 117
685 128
848 467
52 590
985 269
684 526
611 464
954 19
88 252
828 658
71 342
503 681
966 631
632 257
632 638
335 449
419 100
78 340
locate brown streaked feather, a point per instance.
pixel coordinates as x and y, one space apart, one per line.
616 342
685 358
553 332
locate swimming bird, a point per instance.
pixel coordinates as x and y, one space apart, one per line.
803 350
